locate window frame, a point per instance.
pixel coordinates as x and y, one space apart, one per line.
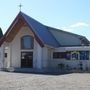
60 55
22 42
69 55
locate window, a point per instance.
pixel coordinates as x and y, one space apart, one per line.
5 55
75 55
27 42
59 55
72 55
68 55
84 55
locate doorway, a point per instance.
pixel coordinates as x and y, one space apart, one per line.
26 59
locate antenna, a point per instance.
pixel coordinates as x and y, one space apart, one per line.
20 6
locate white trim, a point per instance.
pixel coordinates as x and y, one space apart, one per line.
76 52
78 48
27 50
49 46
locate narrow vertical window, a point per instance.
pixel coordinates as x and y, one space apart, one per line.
5 55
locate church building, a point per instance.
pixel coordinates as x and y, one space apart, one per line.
29 44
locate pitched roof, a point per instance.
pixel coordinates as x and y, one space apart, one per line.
47 35
55 37
68 39
41 31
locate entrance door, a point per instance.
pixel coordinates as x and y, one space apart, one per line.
26 59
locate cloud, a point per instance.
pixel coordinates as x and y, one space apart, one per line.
67 29
79 24
74 26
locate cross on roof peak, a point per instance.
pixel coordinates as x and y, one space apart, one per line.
20 6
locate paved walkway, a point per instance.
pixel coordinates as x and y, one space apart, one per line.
22 81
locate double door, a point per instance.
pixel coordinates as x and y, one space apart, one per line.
27 59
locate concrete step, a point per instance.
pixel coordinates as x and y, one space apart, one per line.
24 70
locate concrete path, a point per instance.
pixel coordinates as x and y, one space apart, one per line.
22 81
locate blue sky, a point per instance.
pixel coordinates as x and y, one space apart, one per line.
70 15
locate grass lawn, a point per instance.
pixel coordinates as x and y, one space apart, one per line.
27 81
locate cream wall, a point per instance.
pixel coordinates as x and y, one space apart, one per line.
53 63
71 63
15 50
37 62
45 57
16 47
1 56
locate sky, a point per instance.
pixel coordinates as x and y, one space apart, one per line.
69 15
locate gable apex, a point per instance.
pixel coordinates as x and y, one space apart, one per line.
40 31
42 35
